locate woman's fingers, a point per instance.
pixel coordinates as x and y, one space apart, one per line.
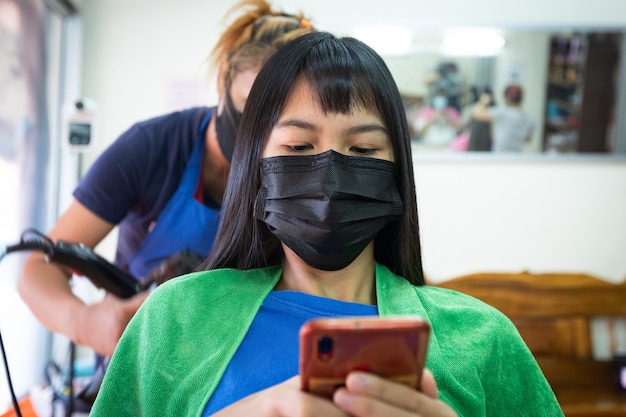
428 384
367 395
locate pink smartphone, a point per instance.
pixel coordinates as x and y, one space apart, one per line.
392 347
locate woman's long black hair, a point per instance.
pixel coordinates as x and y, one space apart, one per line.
345 73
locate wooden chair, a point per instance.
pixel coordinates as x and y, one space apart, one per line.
555 314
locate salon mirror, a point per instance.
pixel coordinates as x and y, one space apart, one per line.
571 80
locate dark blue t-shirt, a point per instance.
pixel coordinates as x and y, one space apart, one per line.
134 178
269 353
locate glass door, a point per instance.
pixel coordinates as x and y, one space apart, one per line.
34 66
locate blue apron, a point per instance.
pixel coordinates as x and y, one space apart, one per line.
184 223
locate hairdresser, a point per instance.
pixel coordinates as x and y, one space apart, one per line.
161 182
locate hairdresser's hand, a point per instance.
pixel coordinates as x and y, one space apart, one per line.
100 325
367 395
283 400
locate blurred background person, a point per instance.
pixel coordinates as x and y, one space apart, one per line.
511 127
437 123
448 80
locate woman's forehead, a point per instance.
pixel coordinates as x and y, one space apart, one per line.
303 92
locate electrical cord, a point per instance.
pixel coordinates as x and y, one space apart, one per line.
16 405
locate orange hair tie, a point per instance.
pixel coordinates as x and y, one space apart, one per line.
305 23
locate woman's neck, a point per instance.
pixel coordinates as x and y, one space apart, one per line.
355 283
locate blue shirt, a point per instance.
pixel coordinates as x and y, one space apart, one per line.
277 324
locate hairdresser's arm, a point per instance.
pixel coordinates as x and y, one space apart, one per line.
46 289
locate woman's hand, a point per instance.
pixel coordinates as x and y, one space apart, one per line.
283 400
367 395
100 325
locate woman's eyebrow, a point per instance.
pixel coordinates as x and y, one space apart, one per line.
301 124
366 128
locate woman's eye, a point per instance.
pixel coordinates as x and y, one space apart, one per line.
363 151
297 148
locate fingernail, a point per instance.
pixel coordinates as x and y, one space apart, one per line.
342 398
357 381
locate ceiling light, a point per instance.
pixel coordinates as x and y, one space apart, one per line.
472 41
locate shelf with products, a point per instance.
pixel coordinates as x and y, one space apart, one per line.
579 91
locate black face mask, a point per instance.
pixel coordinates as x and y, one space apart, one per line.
328 207
226 125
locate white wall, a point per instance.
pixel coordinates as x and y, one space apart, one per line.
134 48
428 13
532 213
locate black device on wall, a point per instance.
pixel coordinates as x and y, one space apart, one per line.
80 118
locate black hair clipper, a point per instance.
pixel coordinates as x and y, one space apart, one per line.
84 261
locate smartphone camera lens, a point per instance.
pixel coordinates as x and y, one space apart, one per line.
325 348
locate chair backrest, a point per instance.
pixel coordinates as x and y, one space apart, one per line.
574 324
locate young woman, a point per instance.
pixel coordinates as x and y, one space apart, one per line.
320 220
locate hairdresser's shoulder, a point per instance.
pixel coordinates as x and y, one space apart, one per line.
192 115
